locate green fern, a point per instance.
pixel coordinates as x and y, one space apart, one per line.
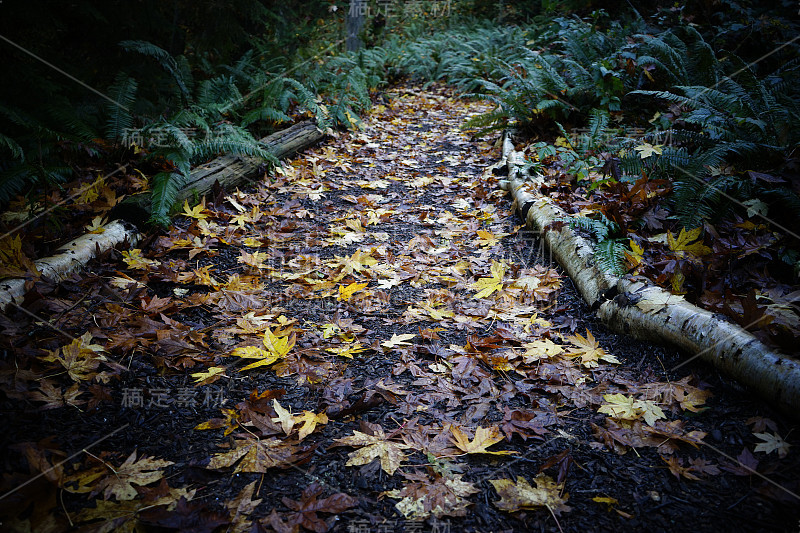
609 252
610 255
164 194
178 68
119 116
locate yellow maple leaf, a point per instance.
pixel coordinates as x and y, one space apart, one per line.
80 358
437 314
589 350
633 257
687 242
274 348
357 262
646 150
484 437
13 261
487 238
133 258
374 446
345 293
487 286
610 502
654 302
540 349
254 455
650 411
309 421
620 406
772 443
230 422
196 211
96 225
253 260
209 376
347 351
120 480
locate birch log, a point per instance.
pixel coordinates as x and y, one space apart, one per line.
648 312
70 257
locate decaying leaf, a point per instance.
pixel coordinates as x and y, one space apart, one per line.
370 447
519 495
422 497
307 507
119 482
254 455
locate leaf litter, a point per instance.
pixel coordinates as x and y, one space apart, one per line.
368 339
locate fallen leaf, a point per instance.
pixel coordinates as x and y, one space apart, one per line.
309 421
276 348
284 418
422 497
589 350
484 437
521 495
398 340
487 286
119 481
345 293
772 443
209 376
374 446
256 455
307 507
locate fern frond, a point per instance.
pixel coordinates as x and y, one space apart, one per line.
164 193
179 70
609 255
120 117
12 146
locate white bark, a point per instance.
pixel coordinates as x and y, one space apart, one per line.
70 257
651 313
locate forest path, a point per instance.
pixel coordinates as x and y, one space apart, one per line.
376 300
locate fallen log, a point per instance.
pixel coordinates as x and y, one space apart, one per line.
229 170
648 312
70 257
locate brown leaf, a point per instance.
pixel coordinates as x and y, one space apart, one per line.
519 495
256 456
308 506
241 507
422 497
119 482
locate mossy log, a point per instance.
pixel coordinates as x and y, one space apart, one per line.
229 170
643 310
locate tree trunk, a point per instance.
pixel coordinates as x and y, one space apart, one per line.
647 311
228 170
71 257
354 23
